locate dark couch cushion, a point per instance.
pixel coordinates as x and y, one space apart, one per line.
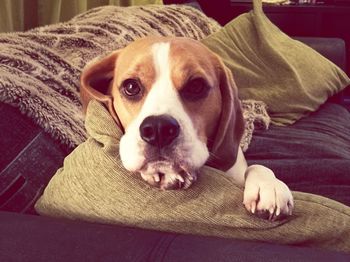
34 238
16 132
29 158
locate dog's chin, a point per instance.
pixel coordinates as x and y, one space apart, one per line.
167 175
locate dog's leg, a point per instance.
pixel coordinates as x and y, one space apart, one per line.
264 194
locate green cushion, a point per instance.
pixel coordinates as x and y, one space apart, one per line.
290 77
93 186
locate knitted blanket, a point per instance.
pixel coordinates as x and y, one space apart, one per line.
40 68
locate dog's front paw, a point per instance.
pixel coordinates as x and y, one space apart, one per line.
265 195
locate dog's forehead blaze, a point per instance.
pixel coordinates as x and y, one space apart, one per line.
135 61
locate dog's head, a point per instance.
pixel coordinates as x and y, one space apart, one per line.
177 104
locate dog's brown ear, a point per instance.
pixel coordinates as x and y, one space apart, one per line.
95 83
225 143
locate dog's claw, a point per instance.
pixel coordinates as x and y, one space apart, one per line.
253 208
278 211
272 215
290 208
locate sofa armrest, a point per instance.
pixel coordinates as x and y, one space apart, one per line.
331 48
334 50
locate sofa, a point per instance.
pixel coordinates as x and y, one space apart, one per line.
317 145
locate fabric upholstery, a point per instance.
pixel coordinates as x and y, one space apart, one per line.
290 77
34 238
29 158
332 48
93 186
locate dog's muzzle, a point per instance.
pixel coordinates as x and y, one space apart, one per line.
159 132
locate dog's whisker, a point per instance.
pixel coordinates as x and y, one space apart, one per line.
213 155
181 178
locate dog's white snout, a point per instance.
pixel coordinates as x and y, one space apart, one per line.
160 130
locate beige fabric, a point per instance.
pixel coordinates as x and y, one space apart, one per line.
290 77
11 15
21 15
93 186
255 117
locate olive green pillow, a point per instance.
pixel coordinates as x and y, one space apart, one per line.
93 186
290 77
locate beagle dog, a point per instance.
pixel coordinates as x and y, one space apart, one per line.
178 106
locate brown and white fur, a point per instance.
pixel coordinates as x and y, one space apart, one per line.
178 106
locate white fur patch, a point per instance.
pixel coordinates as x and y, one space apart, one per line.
163 99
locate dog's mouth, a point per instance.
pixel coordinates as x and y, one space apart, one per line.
167 175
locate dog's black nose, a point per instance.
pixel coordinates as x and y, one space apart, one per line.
159 130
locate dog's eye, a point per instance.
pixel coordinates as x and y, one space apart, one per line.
195 89
132 89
